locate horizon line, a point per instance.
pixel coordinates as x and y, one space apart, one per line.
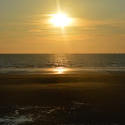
57 53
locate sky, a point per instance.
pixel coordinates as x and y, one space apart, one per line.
98 26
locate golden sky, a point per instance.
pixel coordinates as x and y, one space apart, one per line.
98 26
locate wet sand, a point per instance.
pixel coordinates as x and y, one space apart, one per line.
90 98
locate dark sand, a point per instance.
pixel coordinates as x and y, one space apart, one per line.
93 98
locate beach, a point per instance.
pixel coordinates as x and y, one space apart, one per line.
90 98
62 62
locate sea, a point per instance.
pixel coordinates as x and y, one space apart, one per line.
60 63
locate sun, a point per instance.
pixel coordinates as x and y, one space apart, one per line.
60 20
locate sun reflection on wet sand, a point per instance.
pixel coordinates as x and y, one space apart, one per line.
60 70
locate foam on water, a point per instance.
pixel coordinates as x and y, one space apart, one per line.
15 120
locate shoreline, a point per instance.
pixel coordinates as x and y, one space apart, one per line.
86 76
55 70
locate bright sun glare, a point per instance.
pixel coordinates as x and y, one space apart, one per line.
60 20
60 70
